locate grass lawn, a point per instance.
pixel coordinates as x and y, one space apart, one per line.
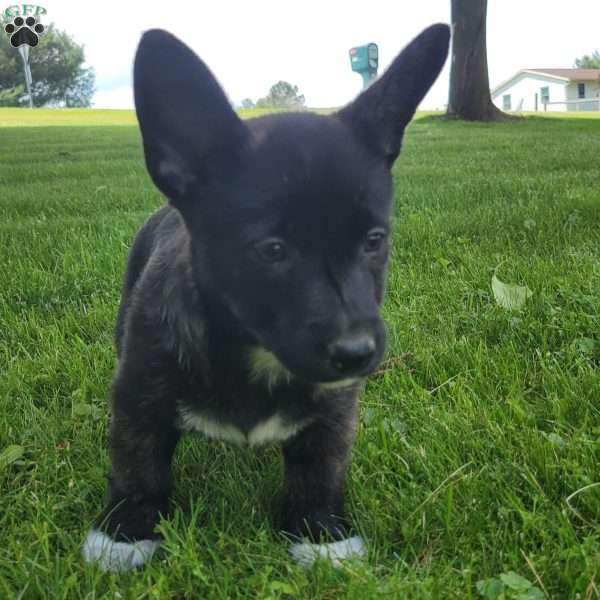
478 454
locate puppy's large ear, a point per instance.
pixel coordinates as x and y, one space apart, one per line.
190 132
380 114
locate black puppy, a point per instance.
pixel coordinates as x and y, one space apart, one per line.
250 308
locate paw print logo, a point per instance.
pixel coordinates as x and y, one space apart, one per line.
24 31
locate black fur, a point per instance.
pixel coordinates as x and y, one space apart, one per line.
275 238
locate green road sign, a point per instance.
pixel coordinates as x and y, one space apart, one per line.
365 60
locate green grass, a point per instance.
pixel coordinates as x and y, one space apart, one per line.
478 452
83 117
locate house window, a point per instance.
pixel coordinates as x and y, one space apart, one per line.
506 102
581 90
545 94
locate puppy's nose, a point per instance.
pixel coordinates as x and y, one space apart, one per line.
352 353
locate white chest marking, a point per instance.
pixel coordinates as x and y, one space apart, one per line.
273 429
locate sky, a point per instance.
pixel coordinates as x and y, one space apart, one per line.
251 45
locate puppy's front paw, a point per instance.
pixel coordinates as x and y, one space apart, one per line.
306 553
116 556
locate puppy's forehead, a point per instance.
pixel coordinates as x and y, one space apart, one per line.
313 157
306 146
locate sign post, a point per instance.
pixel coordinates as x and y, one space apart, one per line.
24 52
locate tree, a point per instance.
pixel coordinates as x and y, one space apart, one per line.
282 95
469 81
59 79
247 103
589 61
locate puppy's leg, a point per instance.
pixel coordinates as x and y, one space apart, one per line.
143 439
316 461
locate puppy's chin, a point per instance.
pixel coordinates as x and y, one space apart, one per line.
329 377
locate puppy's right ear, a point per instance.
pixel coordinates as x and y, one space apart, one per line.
190 132
380 114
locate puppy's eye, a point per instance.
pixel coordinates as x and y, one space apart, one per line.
271 251
374 240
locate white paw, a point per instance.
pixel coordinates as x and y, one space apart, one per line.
306 553
116 556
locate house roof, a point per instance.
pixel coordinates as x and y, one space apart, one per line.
571 74
559 75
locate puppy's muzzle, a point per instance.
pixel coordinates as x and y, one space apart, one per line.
350 355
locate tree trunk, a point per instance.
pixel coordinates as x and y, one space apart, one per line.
469 82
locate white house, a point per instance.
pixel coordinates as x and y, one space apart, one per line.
549 89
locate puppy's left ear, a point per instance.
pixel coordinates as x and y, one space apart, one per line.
191 134
380 114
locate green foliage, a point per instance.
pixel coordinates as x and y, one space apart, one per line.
589 61
11 454
282 95
10 96
59 79
509 586
479 441
247 103
508 295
